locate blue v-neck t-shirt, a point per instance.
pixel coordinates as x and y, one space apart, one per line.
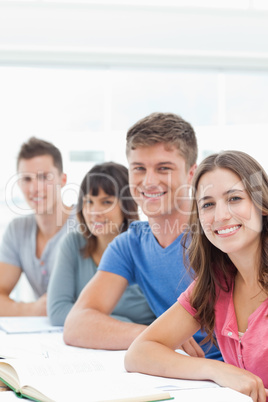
137 256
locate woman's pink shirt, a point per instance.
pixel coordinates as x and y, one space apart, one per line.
250 352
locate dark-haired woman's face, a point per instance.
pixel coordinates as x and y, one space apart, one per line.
102 214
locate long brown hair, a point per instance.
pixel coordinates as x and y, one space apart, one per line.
211 266
112 178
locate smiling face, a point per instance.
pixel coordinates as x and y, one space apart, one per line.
159 181
41 182
102 214
228 217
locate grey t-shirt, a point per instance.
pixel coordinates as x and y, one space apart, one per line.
18 248
72 272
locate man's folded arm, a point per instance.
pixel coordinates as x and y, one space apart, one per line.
89 323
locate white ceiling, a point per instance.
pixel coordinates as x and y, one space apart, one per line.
124 34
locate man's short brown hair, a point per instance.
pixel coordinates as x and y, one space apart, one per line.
37 147
167 128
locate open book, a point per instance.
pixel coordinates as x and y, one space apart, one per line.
54 380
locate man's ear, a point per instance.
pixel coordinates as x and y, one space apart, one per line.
63 179
191 173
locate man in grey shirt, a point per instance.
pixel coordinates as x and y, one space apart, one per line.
29 243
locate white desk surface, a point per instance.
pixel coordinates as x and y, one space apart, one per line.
51 343
196 395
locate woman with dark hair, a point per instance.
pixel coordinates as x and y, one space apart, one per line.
228 251
105 209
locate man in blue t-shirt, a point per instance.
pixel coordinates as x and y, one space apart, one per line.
162 153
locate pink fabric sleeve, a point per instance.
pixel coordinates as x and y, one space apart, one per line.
184 299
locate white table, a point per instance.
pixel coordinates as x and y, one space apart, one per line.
51 345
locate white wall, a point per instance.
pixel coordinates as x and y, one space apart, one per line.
95 33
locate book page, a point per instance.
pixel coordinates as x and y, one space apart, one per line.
209 395
36 345
62 380
32 345
20 325
35 368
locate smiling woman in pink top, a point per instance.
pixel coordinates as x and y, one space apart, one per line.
228 252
